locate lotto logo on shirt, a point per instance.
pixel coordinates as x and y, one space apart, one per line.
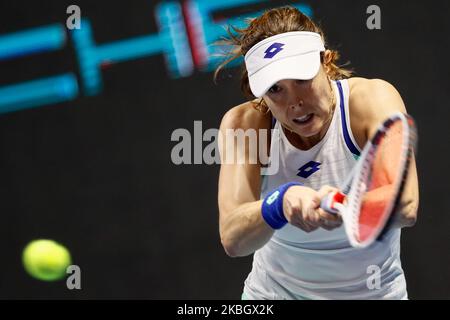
308 169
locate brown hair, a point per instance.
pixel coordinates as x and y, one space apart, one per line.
273 22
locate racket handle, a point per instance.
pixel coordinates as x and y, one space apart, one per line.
333 202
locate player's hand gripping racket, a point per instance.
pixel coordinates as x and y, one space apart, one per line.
372 191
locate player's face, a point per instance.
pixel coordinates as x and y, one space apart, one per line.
303 106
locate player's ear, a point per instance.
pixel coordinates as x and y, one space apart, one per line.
327 58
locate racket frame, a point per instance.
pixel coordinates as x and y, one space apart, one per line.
354 187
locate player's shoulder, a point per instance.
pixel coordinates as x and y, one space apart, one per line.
370 102
371 91
369 96
365 91
246 116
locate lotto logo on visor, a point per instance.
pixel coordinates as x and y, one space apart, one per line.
290 55
273 50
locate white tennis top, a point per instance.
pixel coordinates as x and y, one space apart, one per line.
322 264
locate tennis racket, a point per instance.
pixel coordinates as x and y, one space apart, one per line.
370 195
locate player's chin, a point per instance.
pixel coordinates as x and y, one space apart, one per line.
310 128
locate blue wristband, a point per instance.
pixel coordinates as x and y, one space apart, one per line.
272 206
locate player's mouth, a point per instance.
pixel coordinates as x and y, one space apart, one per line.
306 119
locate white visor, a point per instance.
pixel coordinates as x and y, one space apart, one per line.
290 55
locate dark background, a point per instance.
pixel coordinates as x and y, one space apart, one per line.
95 173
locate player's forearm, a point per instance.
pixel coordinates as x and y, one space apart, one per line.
408 205
406 215
243 230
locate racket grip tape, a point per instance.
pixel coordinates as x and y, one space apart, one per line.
329 202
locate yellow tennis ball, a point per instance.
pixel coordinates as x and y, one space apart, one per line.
46 260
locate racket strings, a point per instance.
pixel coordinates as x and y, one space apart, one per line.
384 172
375 191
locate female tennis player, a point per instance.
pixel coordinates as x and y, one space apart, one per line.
324 117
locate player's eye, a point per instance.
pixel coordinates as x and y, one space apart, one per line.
274 89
